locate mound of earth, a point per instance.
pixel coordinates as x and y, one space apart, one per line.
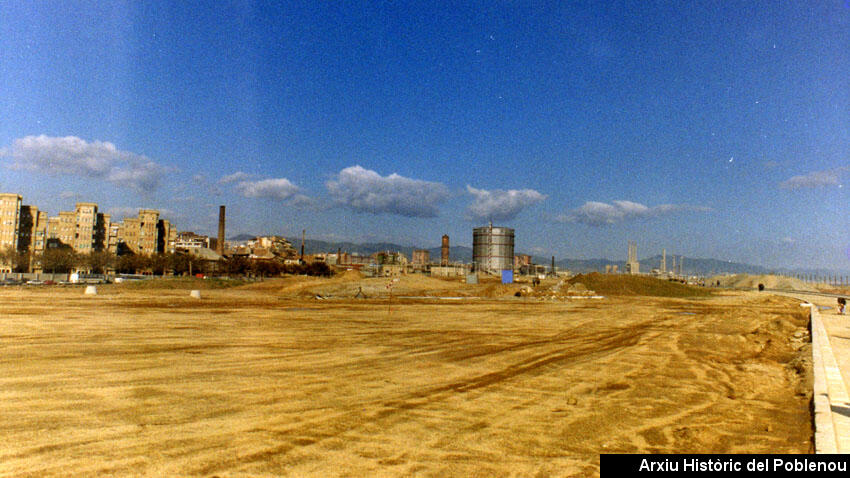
352 283
272 284
748 281
350 276
624 284
497 289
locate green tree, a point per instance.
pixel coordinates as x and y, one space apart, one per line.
7 257
18 261
235 265
98 261
59 259
265 268
318 269
130 263
161 264
188 263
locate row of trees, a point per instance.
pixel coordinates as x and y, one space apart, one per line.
238 265
60 260
64 260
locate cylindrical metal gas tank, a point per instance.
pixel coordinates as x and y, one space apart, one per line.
493 248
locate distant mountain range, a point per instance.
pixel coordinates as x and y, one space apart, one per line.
692 266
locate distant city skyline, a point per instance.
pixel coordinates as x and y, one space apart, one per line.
711 129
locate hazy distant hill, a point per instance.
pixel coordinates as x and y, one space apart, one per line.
693 266
464 254
241 237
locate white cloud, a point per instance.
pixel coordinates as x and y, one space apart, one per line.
236 177
815 179
120 212
142 176
305 202
75 156
594 213
367 191
497 205
276 188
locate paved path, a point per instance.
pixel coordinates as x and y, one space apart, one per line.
831 354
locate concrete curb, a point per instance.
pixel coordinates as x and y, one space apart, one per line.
832 403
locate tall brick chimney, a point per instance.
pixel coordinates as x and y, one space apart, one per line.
219 247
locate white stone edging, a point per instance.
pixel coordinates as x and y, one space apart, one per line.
832 428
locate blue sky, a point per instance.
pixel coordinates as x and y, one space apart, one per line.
712 129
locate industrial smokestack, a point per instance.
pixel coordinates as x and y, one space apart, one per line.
219 247
444 251
303 235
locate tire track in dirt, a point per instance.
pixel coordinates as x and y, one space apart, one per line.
487 388
576 350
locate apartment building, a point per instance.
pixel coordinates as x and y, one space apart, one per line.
85 230
26 227
115 230
148 219
128 235
166 236
32 233
10 217
10 214
101 231
62 229
85 223
145 234
53 231
188 241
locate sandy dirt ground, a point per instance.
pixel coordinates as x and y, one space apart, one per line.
266 381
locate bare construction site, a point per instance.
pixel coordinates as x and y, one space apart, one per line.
298 377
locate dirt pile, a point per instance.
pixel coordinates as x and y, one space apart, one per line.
749 281
350 276
497 290
353 284
632 285
557 290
